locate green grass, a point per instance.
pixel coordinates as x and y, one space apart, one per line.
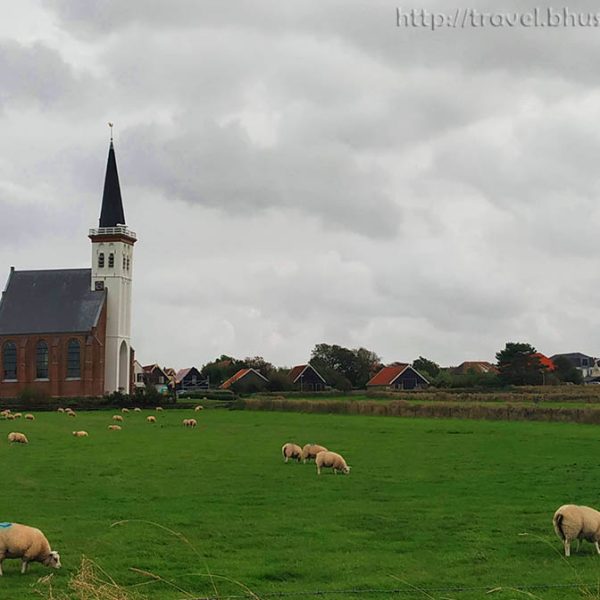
429 503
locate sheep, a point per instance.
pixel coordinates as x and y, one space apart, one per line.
159 408
114 428
151 419
29 417
293 451
10 417
328 459
60 410
572 522
117 418
124 410
17 415
28 544
5 412
199 407
190 422
137 409
17 437
80 433
70 412
311 450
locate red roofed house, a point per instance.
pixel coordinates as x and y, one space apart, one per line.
545 361
399 376
307 379
246 380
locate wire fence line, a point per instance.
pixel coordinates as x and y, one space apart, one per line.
416 590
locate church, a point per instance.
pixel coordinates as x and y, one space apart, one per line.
67 332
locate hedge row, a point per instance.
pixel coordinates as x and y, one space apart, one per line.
402 408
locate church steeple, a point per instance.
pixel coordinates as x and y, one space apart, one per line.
112 213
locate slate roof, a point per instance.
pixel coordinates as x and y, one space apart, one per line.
52 301
240 375
112 213
298 370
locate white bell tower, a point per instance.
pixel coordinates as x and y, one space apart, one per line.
112 270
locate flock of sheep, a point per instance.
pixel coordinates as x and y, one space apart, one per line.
323 458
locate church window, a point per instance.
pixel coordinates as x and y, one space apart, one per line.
9 360
128 263
41 361
111 261
74 359
124 262
101 260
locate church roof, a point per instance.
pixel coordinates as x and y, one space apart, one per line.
52 301
112 213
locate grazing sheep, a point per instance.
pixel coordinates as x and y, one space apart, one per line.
28 544
572 522
190 422
10 417
331 460
199 407
17 415
80 433
117 418
60 410
124 410
136 409
114 428
17 438
71 413
159 408
29 417
5 412
151 419
292 451
311 450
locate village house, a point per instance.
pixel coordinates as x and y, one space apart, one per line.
399 376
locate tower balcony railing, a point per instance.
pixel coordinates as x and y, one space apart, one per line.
118 230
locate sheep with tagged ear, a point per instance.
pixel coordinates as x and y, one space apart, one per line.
572 522
16 437
311 450
331 460
27 543
292 451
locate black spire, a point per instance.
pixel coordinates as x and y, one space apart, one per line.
112 213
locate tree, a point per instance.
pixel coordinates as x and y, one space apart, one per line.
566 371
355 366
426 367
221 369
519 364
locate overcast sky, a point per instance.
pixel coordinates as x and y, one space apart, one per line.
306 172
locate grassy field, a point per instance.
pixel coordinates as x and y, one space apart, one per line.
429 504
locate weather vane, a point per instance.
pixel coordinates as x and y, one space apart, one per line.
111 130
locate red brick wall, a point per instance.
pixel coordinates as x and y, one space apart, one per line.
91 382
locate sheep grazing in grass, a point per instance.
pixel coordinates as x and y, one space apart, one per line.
5 412
10 417
311 450
114 428
190 422
60 410
27 543
199 407
16 437
136 409
80 433
70 412
331 460
151 419
159 408
124 410
117 418
29 417
17 415
292 451
572 522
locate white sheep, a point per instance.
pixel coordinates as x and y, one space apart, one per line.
124 410
114 428
28 544
572 522
17 438
292 451
17 415
70 412
151 419
80 433
29 417
117 418
190 422
159 408
137 409
60 410
199 407
311 450
331 460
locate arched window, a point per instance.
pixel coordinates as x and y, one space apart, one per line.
74 359
124 259
41 361
111 261
9 361
101 260
128 263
